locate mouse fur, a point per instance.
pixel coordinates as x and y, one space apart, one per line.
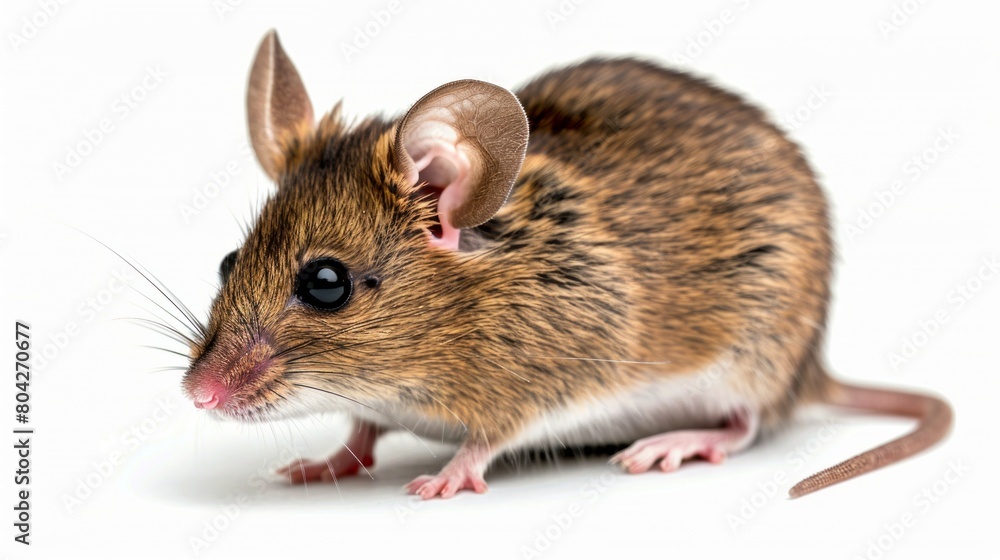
662 261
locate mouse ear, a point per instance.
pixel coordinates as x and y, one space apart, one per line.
464 142
278 107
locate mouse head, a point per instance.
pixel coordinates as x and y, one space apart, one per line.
355 276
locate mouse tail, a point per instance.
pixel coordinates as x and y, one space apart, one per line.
933 413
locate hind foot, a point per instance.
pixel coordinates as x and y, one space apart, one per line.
670 449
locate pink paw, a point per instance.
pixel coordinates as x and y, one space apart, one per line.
671 449
446 485
338 466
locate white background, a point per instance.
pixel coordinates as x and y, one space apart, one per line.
887 94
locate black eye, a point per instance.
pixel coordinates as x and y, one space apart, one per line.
324 284
227 266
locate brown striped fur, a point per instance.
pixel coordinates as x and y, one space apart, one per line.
659 228
656 219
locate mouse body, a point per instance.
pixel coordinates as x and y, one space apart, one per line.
614 253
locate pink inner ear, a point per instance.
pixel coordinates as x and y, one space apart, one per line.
444 169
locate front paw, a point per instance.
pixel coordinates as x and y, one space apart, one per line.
446 484
338 466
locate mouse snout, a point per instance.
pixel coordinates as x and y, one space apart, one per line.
230 377
206 386
211 398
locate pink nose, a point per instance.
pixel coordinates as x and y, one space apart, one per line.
210 400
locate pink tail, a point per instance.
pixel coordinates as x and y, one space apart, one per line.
935 418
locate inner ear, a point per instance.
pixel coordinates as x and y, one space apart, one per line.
462 145
442 180
439 172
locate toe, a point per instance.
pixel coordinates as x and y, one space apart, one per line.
417 483
449 489
715 455
428 491
293 466
635 459
671 461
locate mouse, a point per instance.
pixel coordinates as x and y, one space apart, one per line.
615 253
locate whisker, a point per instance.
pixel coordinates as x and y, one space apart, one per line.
158 305
168 368
157 321
168 350
359 403
291 349
610 361
158 285
177 303
525 379
453 339
464 427
344 347
386 319
360 464
163 329
346 370
342 369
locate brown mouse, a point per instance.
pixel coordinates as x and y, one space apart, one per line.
651 265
